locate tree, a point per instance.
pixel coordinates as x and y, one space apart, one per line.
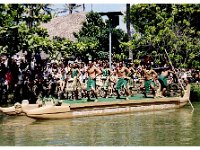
20 24
128 28
94 36
83 7
69 8
62 47
37 13
167 26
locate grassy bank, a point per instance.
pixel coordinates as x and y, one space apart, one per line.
195 92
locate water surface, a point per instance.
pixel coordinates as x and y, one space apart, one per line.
162 128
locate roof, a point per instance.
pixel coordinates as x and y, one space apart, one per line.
64 26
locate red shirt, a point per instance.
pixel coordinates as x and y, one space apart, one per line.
8 77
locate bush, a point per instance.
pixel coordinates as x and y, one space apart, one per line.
195 92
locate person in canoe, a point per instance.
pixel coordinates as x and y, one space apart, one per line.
75 73
106 72
62 80
132 76
163 80
148 83
92 72
122 72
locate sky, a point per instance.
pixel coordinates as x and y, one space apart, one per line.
104 8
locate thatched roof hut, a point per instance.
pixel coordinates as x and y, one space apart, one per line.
64 26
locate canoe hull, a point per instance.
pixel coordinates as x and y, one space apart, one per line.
18 111
98 108
8 110
108 108
99 111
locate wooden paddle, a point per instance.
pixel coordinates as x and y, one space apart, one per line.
173 69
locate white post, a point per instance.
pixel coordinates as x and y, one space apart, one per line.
110 53
110 46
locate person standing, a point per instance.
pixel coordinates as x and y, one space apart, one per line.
82 79
92 72
75 73
149 76
106 72
62 80
121 72
163 80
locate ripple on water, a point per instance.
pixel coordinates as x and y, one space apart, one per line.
171 128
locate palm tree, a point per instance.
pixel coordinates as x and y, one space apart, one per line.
69 8
128 28
72 7
36 10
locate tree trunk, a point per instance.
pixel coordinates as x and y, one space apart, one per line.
83 7
128 29
70 8
16 30
30 22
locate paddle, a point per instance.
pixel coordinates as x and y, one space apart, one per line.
173 69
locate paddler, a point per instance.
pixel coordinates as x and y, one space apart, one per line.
75 73
92 72
163 80
63 77
122 72
149 76
106 72
132 76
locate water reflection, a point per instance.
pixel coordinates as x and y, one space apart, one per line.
174 127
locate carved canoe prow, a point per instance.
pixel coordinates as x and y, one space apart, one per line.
50 109
19 109
8 110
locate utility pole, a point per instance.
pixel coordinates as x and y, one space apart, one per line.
91 7
113 22
110 44
83 7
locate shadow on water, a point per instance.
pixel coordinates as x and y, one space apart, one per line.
164 128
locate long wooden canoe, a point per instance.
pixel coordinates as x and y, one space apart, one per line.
18 109
106 107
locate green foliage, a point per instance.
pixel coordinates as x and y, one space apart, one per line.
68 8
119 57
93 38
167 26
20 27
20 30
61 47
195 92
102 55
137 61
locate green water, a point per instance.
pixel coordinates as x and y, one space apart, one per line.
164 128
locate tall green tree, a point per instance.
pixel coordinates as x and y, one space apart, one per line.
36 14
173 27
128 28
94 36
19 24
70 8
